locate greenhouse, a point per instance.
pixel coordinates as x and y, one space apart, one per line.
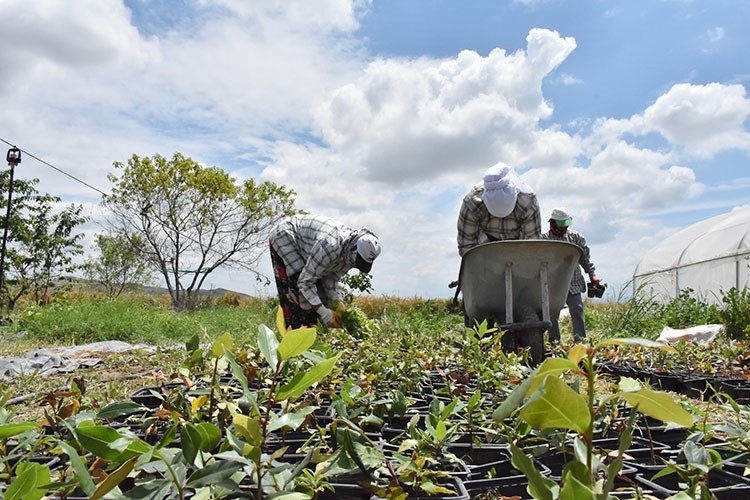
709 257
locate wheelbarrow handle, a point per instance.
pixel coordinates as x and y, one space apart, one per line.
454 284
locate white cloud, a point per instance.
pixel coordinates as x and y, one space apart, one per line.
715 34
568 79
704 119
412 120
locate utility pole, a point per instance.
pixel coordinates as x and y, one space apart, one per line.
14 158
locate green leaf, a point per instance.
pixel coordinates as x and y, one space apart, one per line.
433 489
292 496
540 487
154 489
440 431
658 405
628 384
31 482
210 435
113 479
280 321
248 429
515 399
237 372
193 343
79 467
268 345
301 382
109 444
577 483
557 406
552 367
212 474
10 430
222 342
190 442
295 342
119 409
290 420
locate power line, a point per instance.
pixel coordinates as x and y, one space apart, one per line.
55 168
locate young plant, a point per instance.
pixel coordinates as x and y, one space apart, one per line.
546 402
271 408
693 473
19 477
158 470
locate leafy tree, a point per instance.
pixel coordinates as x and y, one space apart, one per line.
117 265
41 246
192 220
354 283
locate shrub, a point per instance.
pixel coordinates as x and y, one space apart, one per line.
735 314
685 311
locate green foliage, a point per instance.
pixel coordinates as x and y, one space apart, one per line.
118 265
735 314
546 401
188 220
686 310
355 321
41 243
355 284
130 318
636 316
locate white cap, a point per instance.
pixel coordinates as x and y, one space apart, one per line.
562 214
368 248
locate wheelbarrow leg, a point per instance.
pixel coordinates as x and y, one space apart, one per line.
531 337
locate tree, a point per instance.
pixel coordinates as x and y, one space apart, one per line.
118 265
192 220
41 246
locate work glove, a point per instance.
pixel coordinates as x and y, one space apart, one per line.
326 315
336 323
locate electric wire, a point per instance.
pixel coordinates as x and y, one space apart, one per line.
55 168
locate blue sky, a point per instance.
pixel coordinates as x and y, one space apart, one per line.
633 114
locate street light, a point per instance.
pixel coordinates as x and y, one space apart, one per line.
14 158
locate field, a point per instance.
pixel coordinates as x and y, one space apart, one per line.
212 370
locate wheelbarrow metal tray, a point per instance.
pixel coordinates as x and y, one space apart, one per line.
517 280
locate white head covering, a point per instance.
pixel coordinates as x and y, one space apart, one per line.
501 187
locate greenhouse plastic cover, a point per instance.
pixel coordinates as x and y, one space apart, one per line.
709 257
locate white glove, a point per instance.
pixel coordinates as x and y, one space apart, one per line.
326 315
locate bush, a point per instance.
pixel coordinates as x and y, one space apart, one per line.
735 315
685 311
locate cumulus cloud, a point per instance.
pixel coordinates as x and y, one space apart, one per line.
409 120
703 119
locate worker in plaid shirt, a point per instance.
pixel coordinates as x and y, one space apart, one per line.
501 207
559 224
310 254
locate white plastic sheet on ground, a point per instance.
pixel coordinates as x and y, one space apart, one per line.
702 334
62 359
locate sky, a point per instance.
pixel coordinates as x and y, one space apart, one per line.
633 114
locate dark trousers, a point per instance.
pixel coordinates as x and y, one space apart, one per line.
289 296
575 308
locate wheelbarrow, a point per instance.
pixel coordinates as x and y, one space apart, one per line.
518 286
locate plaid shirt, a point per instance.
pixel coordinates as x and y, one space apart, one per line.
321 250
577 284
476 225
